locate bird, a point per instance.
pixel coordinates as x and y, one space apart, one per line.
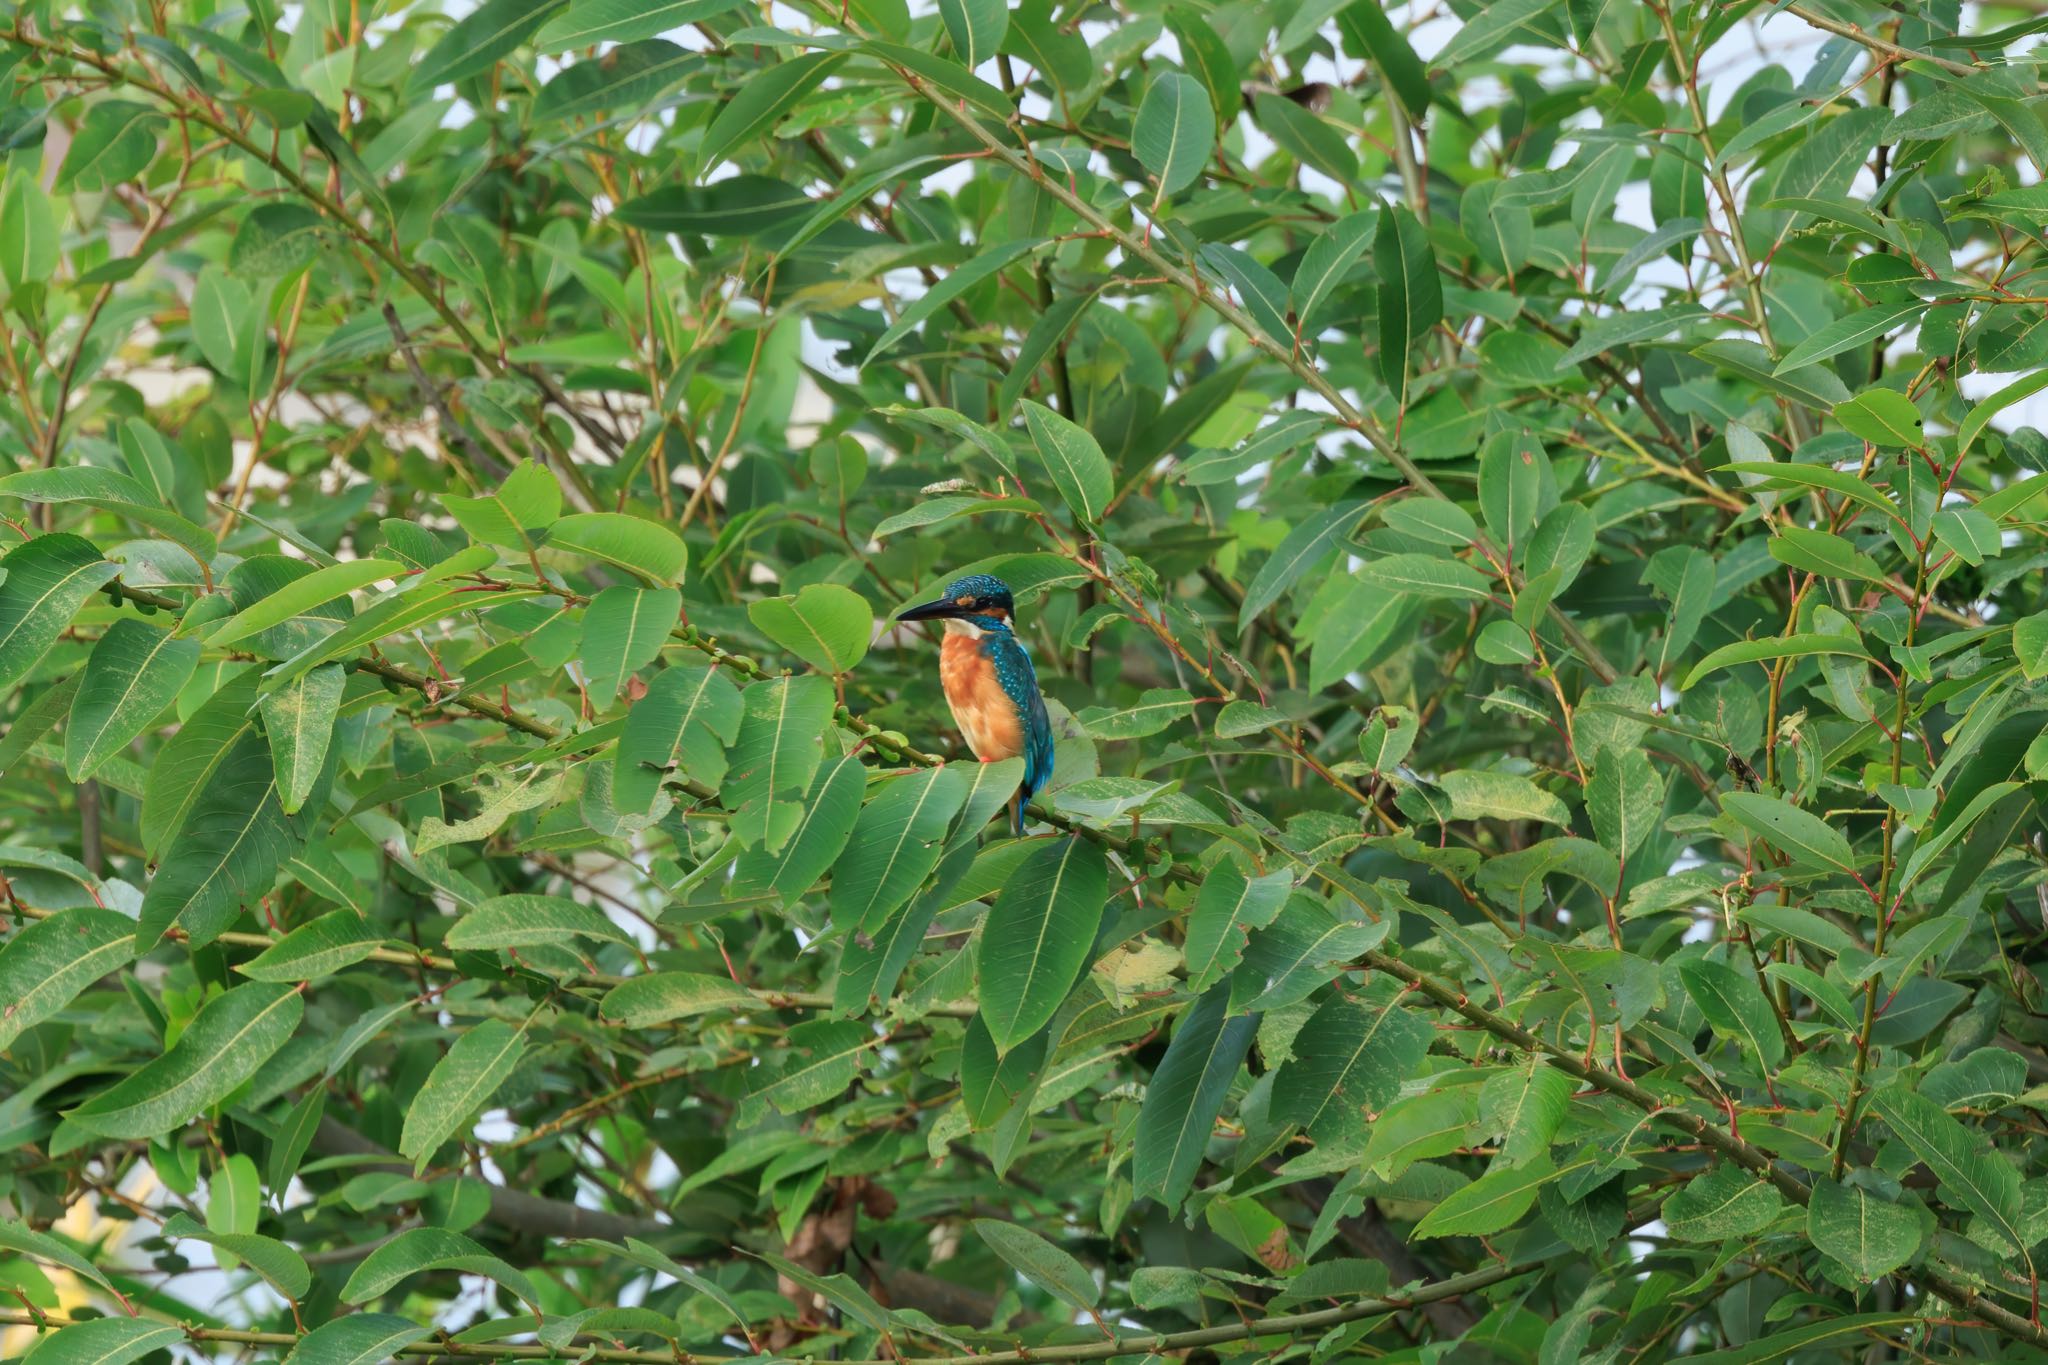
989 682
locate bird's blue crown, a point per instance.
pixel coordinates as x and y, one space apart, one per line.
982 593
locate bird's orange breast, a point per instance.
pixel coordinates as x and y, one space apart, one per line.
986 716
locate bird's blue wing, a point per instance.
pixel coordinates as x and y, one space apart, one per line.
1020 683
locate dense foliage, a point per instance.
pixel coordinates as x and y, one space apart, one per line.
1525 522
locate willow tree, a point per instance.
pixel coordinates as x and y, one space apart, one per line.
1526 525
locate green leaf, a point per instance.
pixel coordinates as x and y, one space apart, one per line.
1478 794
1625 798
25 1241
663 997
29 229
740 206
104 1341
832 806
1040 937
185 768
1175 131
233 1035
527 502
1185 1098
525 921
284 1269
1854 330
1072 460
301 596
976 28
298 720
1802 836
45 964
1846 1333
988 262
115 141
46 581
1864 1233
1726 1201
1500 23
318 948
1830 556
1365 22
421 1249
646 548
680 728
1772 649
761 103
134 672
623 631
895 845
1411 297
632 75
1882 418
278 240
1307 545
1040 1262
586 23
822 1059
228 851
484 36
825 625
460 1084
774 756
357 1339
1496 1200
1349 1063
1970 1171
1736 1006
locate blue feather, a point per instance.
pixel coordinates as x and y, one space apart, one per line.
1019 681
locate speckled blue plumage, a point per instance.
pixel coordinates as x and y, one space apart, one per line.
1012 662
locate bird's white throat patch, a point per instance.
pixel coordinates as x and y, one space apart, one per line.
956 626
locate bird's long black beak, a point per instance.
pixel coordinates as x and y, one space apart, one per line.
931 611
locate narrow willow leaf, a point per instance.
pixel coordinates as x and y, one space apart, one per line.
1175 131
589 22
1228 906
1039 937
1040 1262
460 1084
46 581
661 997
48 962
895 845
133 674
761 103
1185 1097
526 921
319 948
421 1249
1494 1201
1410 294
301 596
1348 1065
1854 330
228 851
832 806
1400 69
477 42
1524 1107
1801 835
1969 1170
298 721
1072 460
231 1036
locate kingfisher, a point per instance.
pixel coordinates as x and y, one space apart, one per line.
989 682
